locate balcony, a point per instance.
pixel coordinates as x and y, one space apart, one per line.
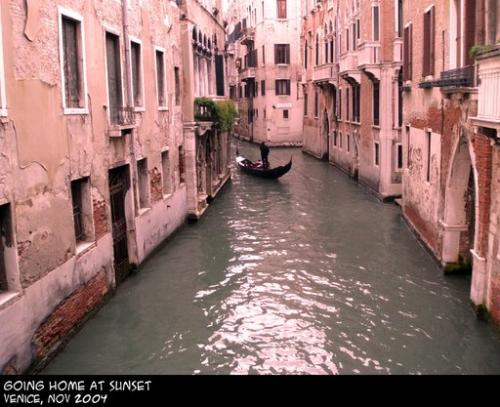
249 64
489 89
248 36
457 78
348 63
122 121
325 73
369 54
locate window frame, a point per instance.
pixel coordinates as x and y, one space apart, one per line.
115 32
142 107
156 50
72 15
288 88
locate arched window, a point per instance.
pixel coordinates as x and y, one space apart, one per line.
305 54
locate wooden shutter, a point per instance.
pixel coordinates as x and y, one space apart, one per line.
219 74
71 63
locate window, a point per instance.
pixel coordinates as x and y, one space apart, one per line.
377 154
143 179
400 99
316 103
348 109
178 86
348 143
6 246
263 88
340 140
354 36
408 53
282 87
347 38
113 61
305 102
376 23
137 81
305 55
219 75
82 210
399 163
340 104
72 63
3 94
376 103
356 102
263 55
165 167
282 53
256 88
335 138
317 49
428 146
429 34
399 22
408 145
181 165
160 78
281 4
285 114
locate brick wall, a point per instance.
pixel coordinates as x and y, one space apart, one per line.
100 218
68 315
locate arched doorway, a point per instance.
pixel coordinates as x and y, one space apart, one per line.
459 224
325 130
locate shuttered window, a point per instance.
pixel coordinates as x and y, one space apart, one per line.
160 78
135 53
263 88
114 76
429 34
408 53
73 63
376 24
282 87
282 53
281 4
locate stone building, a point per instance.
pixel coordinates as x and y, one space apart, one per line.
352 89
98 163
451 80
264 37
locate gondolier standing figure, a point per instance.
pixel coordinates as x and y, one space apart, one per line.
264 152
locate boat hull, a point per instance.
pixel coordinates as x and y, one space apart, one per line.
257 170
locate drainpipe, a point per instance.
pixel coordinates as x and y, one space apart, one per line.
129 105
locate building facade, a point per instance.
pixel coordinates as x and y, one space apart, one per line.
97 167
264 37
352 88
450 79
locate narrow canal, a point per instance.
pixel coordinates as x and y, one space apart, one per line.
307 275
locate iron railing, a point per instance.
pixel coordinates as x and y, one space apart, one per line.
461 77
122 116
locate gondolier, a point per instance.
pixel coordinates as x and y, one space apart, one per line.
264 152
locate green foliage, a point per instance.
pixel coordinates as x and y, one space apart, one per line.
480 49
223 113
226 113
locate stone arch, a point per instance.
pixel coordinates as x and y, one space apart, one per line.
460 210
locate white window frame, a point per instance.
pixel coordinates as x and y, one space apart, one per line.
116 32
163 51
141 108
64 12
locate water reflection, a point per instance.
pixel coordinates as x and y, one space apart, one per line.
306 275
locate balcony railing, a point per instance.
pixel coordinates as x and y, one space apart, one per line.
122 116
461 77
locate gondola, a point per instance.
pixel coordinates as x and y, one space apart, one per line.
259 171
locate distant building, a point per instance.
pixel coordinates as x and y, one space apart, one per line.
264 37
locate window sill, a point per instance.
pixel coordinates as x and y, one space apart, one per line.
84 247
163 109
8 298
143 211
376 126
69 112
139 109
167 197
4 113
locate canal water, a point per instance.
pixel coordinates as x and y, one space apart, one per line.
306 275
